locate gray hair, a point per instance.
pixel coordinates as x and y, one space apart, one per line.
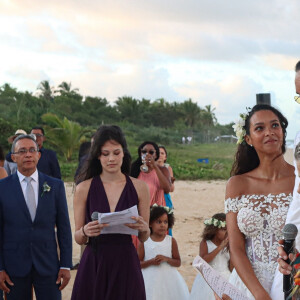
21 137
297 152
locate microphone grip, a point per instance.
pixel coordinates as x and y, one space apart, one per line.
287 279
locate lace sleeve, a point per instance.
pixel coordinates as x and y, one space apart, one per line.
231 205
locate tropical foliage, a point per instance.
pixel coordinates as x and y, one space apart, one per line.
70 118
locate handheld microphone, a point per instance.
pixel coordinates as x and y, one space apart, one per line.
94 216
290 232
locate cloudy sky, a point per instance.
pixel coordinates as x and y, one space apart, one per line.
215 52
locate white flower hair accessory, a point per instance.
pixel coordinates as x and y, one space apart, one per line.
168 210
239 127
215 222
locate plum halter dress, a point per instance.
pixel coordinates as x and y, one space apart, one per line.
109 268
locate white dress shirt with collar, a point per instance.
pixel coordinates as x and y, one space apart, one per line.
293 216
34 183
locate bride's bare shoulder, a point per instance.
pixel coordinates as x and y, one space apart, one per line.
236 185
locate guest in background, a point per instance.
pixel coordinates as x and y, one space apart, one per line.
9 165
82 160
3 174
162 161
157 178
48 163
82 157
2 157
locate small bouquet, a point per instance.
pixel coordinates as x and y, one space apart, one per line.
295 293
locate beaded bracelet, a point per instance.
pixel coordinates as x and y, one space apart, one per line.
82 228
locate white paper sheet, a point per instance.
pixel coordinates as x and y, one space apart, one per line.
116 221
217 283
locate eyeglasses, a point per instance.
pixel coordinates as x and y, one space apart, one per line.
24 151
38 135
150 152
297 99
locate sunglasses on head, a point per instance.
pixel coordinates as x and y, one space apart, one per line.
150 152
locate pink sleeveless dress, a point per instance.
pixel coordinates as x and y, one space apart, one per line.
156 192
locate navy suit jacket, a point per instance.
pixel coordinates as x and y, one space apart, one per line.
23 243
48 163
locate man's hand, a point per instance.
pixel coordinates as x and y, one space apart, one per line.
5 278
63 278
284 267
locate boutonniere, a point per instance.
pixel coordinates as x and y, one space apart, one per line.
46 188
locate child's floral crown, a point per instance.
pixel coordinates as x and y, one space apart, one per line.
215 222
168 210
239 126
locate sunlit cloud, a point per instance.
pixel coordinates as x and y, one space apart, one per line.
215 52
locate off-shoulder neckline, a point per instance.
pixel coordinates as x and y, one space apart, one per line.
261 195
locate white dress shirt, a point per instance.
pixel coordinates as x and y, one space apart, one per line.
293 216
34 183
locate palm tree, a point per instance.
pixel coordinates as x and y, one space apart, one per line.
65 87
190 112
65 135
45 90
211 112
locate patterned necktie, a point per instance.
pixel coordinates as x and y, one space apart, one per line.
30 198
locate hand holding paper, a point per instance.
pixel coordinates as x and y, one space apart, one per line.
117 221
140 225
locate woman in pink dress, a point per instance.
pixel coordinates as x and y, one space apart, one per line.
157 177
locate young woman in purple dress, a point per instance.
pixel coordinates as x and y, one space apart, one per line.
109 268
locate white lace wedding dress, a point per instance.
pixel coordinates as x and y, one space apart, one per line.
261 219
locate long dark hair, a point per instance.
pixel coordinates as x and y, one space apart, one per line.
246 158
92 166
210 231
135 167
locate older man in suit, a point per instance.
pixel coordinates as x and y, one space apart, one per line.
32 204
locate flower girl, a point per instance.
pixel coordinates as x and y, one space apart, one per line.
159 257
213 249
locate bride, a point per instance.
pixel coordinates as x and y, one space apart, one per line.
257 199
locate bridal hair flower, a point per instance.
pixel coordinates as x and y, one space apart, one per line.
239 128
169 210
215 222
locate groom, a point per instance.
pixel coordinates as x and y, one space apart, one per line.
293 215
32 204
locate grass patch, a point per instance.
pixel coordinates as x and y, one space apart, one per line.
183 159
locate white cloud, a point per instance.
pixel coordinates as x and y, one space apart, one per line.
215 52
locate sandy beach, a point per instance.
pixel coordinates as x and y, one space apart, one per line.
194 201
